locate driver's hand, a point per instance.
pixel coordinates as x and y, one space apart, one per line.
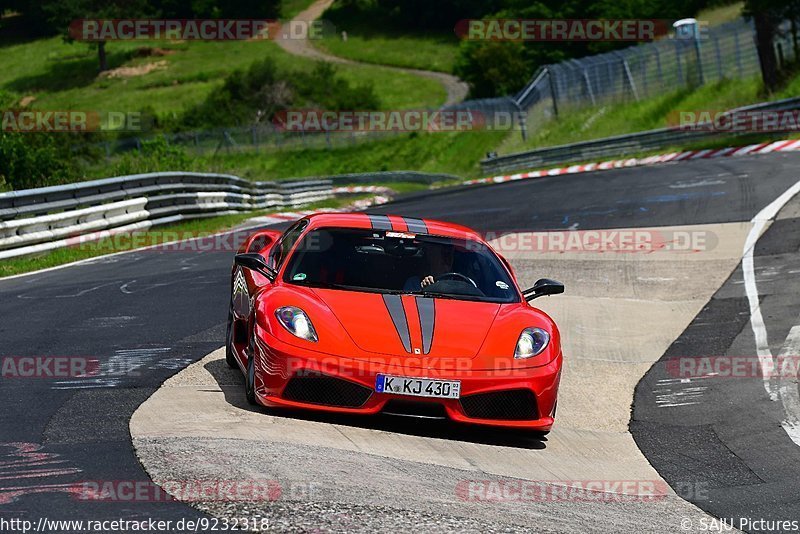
428 280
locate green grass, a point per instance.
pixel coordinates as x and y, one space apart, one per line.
290 8
373 36
451 153
721 14
64 76
436 53
617 119
156 236
455 153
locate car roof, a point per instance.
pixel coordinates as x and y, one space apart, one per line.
396 223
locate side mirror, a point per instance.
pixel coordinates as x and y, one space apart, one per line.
259 240
543 287
255 262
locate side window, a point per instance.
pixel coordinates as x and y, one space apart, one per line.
288 240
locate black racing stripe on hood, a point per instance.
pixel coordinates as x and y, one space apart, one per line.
380 222
394 304
416 226
426 309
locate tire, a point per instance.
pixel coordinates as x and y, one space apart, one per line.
250 380
230 357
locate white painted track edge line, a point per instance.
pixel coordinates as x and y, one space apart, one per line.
760 222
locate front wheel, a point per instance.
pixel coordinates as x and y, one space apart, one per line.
230 357
250 380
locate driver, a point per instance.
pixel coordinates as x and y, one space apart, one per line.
440 261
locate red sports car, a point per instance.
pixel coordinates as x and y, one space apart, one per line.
365 314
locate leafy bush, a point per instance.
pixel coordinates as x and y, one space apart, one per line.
155 155
492 68
321 87
254 95
30 160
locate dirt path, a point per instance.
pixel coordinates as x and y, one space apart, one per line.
456 89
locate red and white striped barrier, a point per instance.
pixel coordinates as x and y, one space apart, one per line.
762 148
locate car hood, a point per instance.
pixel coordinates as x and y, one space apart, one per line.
410 325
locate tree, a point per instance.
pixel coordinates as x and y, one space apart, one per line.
767 16
60 13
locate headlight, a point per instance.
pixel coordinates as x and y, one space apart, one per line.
532 342
297 322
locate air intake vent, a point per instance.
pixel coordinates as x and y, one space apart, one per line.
509 405
316 388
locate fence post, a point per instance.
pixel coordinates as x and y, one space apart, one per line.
644 71
523 120
658 66
626 69
719 58
737 53
553 93
678 61
589 87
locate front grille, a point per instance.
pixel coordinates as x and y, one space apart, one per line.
431 410
509 405
316 388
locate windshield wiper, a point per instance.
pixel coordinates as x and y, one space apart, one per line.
331 285
451 296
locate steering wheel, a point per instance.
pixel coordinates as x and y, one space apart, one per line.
457 275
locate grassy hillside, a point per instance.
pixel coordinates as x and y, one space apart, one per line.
50 74
380 42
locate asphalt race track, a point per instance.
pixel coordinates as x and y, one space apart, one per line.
146 315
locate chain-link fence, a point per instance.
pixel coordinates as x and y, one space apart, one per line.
722 52
262 137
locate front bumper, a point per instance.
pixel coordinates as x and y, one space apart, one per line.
343 385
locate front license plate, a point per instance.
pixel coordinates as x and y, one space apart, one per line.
418 387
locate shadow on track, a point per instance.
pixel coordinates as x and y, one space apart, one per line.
231 382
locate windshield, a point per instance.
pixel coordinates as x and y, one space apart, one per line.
395 262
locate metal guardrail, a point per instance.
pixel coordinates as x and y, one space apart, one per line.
620 145
37 220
